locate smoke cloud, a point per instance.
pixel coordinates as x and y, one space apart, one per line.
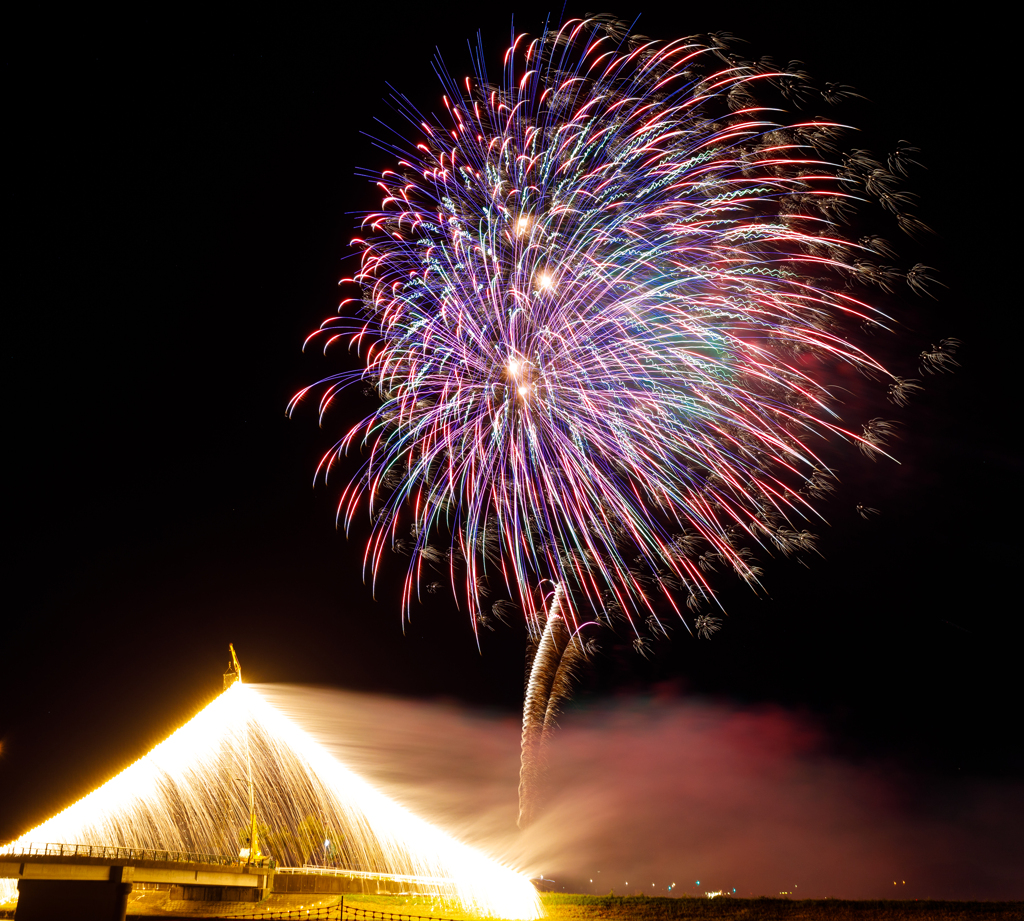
671 797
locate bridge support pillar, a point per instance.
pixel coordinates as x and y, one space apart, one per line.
82 900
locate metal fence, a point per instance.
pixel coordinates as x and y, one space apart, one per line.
371 913
329 913
333 913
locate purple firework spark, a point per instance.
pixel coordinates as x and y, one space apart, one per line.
603 305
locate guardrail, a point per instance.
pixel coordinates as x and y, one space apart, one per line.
334 912
116 852
366 874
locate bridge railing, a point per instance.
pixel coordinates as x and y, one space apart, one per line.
115 852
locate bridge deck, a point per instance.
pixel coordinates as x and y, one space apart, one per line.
166 883
16 866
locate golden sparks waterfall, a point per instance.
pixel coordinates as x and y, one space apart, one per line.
191 793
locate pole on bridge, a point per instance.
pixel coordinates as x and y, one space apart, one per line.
232 675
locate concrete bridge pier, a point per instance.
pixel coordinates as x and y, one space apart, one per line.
80 899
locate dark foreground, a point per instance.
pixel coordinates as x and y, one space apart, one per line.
567 907
640 908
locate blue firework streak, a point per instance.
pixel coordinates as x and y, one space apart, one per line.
601 305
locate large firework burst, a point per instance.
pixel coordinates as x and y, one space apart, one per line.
604 305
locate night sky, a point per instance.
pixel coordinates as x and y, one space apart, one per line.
179 206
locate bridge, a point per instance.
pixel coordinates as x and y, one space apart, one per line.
103 883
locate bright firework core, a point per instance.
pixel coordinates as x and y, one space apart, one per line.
190 794
521 372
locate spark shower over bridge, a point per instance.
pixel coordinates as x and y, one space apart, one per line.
241 773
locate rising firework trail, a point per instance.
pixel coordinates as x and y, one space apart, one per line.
552 660
606 306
